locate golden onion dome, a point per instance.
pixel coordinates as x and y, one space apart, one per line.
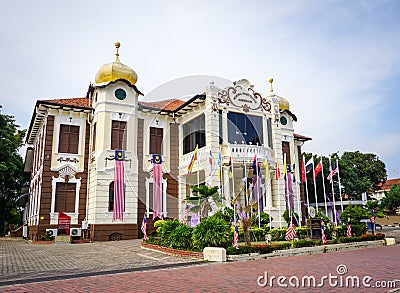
283 103
116 70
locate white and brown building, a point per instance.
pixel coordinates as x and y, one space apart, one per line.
72 144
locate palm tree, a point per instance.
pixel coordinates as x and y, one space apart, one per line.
201 199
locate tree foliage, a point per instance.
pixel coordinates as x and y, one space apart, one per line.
391 201
11 169
361 173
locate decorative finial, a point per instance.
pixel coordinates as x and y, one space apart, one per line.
271 80
117 45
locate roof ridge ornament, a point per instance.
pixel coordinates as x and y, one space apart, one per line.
271 80
117 45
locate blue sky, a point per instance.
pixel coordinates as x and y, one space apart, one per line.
337 62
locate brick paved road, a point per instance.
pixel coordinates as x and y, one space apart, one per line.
21 261
381 264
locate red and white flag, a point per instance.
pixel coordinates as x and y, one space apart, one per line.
119 186
144 228
157 186
290 232
236 238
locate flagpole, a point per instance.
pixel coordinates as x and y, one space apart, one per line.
323 186
315 186
270 196
333 191
258 194
305 181
198 167
340 190
233 186
279 197
296 181
287 193
220 172
245 181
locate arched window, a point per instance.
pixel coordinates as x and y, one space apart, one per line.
111 197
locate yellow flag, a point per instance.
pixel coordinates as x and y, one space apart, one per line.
266 169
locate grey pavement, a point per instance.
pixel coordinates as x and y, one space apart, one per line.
23 262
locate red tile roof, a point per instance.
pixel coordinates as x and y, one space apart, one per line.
74 102
301 137
170 105
389 183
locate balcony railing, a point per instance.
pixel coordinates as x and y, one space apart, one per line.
239 153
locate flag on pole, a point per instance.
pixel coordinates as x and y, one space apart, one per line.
284 167
157 186
309 165
318 169
119 186
266 166
194 158
210 162
219 164
277 171
323 237
348 233
290 232
144 228
333 171
303 171
255 165
236 237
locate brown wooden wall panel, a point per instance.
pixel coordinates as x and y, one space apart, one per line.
102 232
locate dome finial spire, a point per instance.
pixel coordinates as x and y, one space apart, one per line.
271 80
117 45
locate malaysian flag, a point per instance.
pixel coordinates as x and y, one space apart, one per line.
119 186
144 227
334 170
236 238
290 232
157 186
348 233
323 233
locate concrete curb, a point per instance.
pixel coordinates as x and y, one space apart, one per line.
308 250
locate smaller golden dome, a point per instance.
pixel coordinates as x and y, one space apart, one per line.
283 104
116 70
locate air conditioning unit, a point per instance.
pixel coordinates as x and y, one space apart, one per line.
51 232
75 231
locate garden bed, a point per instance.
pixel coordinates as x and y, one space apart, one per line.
172 251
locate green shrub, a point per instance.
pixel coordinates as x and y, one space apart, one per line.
241 250
304 243
264 219
212 231
181 237
278 234
226 214
164 229
301 232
